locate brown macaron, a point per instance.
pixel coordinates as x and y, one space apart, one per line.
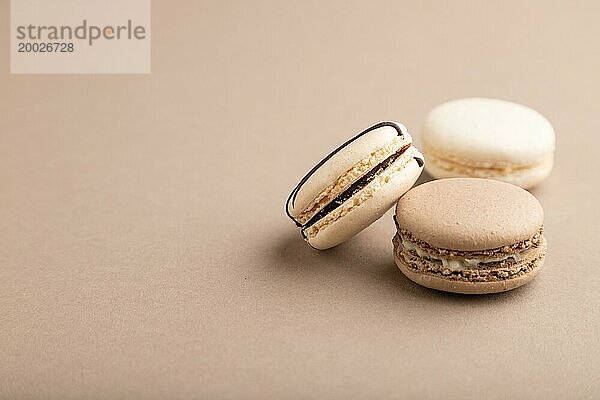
469 235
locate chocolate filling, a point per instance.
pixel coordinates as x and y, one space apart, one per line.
355 187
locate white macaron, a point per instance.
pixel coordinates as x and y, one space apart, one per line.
488 138
355 185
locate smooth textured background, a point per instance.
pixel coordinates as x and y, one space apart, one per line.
144 249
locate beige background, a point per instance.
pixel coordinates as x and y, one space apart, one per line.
144 251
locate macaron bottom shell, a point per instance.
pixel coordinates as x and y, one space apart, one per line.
463 285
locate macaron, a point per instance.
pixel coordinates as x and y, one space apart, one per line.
488 138
469 235
354 185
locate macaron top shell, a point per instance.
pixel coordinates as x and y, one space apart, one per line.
343 158
484 130
469 214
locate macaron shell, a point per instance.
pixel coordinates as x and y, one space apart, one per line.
464 287
525 178
469 214
480 129
341 162
367 213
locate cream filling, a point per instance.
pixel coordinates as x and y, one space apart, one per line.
363 195
345 180
460 265
480 169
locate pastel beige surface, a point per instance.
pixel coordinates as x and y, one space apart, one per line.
145 253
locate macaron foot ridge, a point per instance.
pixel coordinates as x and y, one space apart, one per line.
523 175
490 274
466 287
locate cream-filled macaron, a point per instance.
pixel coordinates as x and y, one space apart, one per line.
354 185
469 235
488 138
